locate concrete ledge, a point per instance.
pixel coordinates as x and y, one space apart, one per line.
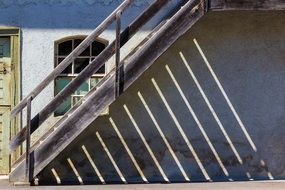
21 184
264 185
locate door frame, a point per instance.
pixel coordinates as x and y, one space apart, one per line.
15 124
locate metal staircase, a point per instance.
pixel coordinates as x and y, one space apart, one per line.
54 141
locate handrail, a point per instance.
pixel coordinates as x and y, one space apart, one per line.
66 62
94 66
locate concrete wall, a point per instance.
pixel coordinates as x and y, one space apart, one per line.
246 51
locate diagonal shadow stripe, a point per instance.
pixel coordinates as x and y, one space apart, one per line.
75 171
197 121
93 164
128 150
55 174
111 157
145 143
225 96
229 103
163 137
177 124
211 108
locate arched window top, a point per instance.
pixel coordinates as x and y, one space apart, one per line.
64 46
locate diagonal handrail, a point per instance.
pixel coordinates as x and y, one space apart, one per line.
66 62
88 71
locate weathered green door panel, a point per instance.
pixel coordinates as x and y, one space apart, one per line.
16 88
5 102
9 96
4 139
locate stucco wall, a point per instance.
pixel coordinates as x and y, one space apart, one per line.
246 52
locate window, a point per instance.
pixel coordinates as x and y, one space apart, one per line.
62 49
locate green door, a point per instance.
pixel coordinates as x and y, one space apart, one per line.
5 102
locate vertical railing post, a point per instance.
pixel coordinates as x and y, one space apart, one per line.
206 5
28 141
117 48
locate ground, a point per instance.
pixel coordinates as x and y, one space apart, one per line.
264 185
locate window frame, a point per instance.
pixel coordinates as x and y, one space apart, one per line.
73 75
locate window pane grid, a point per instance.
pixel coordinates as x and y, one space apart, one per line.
71 69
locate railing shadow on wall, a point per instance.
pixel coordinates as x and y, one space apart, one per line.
169 131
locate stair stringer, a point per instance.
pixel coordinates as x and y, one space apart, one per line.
91 108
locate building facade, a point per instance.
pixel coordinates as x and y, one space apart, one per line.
210 108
